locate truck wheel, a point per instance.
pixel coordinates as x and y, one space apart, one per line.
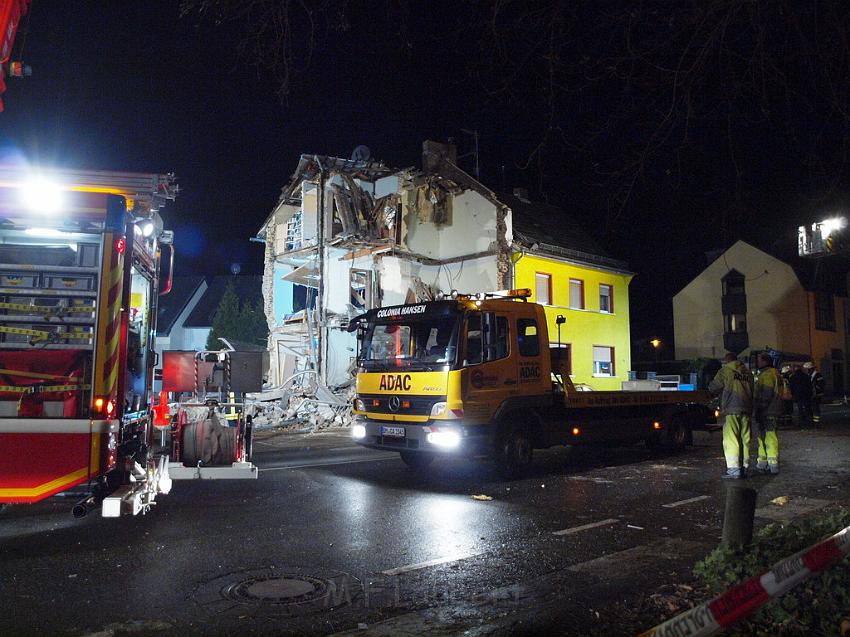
677 435
514 452
416 461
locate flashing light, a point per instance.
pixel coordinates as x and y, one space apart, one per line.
655 342
42 196
103 407
520 293
447 438
120 245
358 432
576 431
454 294
656 425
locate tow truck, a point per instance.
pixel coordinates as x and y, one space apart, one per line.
80 276
478 375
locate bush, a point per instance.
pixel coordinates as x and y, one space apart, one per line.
813 607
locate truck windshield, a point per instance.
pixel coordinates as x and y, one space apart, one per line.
428 345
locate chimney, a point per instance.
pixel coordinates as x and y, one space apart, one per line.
434 153
522 195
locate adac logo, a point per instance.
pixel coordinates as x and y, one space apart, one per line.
395 382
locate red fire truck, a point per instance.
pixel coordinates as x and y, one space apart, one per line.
80 256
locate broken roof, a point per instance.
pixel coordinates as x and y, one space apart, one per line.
310 166
556 232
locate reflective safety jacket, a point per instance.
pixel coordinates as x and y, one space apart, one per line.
734 385
767 393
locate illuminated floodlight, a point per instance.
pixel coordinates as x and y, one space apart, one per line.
828 226
42 196
146 227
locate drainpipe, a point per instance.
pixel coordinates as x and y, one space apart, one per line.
320 296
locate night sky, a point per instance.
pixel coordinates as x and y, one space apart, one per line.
134 86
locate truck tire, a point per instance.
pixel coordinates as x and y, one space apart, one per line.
677 435
416 461
514 452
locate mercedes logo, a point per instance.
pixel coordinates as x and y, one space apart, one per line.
394 403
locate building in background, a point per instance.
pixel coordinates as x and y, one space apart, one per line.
185 315
350 235
747 299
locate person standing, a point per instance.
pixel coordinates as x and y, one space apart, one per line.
801 394
818 385
767 408
734 384
787 399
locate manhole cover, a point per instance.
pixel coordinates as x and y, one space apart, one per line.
279 589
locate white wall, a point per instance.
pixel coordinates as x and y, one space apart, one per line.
777 312
472 229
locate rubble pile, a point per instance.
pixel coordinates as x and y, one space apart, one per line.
305 412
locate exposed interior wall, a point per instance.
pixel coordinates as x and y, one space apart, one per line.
777 306
586 327
472 227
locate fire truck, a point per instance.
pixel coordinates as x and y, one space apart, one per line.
477 375
80 276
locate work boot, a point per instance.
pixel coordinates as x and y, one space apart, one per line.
774 469
734 474
762 467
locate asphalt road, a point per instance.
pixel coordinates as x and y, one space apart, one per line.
335 538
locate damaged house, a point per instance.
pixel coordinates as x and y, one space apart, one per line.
350 235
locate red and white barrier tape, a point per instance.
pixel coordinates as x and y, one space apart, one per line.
745 598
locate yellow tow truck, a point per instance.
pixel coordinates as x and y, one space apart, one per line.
477 375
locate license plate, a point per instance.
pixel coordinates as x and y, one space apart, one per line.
395 432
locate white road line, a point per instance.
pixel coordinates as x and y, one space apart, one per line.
585 527
329 464
421 565
688 501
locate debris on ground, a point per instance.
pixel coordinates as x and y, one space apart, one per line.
781 501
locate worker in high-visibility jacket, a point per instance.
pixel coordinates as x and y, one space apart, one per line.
734 384
767 409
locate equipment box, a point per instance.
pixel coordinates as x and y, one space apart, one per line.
69 282
18 279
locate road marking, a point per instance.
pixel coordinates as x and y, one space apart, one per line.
688 501
328 464
421 565
590 479
585 527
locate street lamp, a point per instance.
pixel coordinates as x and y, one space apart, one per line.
656 345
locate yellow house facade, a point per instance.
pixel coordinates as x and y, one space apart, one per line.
594 300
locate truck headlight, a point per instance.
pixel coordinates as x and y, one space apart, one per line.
447 439
358 432
438 409
359 405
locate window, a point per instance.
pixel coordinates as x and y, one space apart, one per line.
577 294
527 339
603 360
486 338
360 287
735 323
606 298
824 311
543 289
